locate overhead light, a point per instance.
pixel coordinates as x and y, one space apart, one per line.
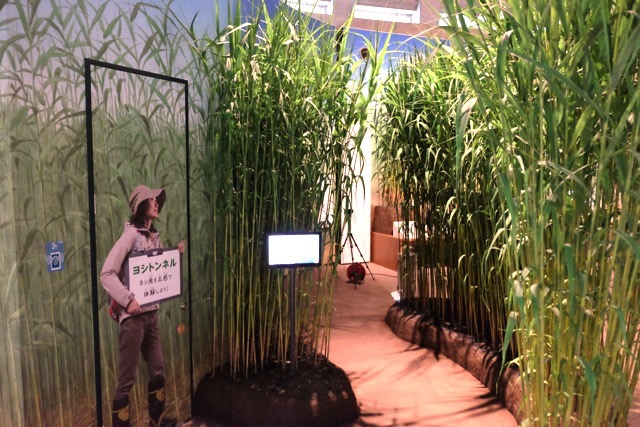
389 14
319 7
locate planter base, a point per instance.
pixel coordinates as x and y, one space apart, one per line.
475 357
319 395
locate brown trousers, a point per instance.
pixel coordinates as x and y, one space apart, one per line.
138 334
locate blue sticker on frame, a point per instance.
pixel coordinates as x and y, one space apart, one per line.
55 256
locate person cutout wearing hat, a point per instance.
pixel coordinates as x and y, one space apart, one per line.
139 330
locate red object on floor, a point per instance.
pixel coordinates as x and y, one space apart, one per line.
356 273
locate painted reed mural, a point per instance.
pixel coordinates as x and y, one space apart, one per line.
47 352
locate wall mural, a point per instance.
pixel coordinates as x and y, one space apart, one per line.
46 341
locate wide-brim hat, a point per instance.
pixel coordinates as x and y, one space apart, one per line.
142 193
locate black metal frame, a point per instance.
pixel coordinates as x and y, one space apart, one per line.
88 63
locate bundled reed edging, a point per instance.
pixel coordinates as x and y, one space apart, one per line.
475 357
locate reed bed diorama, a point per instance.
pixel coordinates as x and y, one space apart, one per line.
432 165
536 135
47 364
287 119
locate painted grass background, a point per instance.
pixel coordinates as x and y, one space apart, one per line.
46 359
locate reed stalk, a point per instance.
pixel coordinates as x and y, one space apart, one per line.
282 123
433 166
559 83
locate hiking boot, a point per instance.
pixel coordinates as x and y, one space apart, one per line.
156 404
120 413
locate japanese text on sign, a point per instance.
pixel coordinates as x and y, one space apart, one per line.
154 276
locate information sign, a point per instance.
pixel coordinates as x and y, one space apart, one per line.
55 256
154 276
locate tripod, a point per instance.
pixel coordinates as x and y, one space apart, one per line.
352 242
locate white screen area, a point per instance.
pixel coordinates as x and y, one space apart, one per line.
293 249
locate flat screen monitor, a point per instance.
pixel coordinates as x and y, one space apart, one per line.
294 249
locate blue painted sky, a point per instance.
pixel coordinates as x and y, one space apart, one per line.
203 13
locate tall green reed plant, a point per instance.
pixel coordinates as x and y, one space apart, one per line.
560 80
433 166
284 118
414 158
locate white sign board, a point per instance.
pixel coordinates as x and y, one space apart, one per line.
294 250
154 276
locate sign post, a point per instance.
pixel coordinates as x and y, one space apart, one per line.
293 348
293 250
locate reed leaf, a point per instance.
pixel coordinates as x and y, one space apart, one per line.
562 82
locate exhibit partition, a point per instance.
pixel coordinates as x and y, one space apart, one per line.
139 137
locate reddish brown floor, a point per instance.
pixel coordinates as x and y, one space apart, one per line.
397 383
634 413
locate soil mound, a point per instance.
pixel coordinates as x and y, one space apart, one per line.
317 394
